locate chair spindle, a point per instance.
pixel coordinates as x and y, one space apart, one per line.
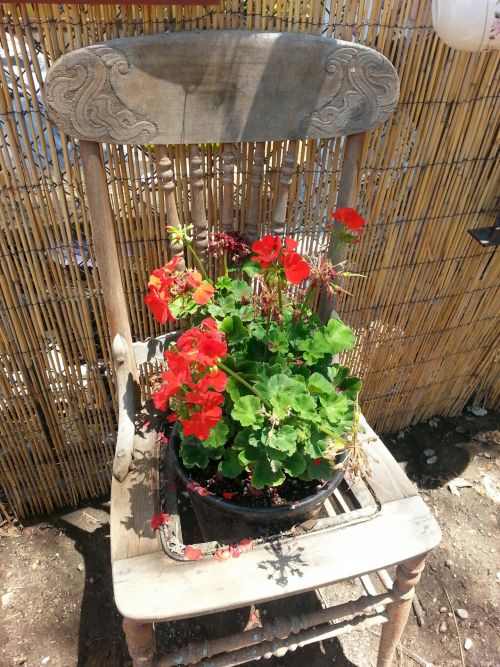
227 188
252 226
168 186
287 168
198 213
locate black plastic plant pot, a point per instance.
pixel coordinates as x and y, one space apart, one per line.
226 521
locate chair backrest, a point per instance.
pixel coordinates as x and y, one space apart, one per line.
213 87
219 86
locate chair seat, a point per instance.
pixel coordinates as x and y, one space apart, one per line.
153 587
385 523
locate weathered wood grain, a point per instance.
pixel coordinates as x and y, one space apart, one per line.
219 86
401 530
103 231
387 480
125 388
135 500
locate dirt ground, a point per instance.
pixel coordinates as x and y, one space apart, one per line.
55 583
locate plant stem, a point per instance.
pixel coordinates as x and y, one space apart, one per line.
280 296
238 377
225 264
196 259
308 297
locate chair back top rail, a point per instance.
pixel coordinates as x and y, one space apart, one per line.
219 86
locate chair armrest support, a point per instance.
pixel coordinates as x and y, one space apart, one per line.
126 407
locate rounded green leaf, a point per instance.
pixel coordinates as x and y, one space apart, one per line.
246 411
230 466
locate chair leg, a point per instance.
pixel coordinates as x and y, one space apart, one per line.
407 577
140 640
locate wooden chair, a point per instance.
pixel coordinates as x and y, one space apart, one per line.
226 87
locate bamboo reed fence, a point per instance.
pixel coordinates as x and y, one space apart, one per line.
426 315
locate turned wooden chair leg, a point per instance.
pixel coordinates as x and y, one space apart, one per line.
140 642
407 577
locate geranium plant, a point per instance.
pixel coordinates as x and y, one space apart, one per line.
251 381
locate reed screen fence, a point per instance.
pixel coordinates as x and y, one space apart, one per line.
426 317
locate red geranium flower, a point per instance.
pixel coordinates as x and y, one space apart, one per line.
350 218
159 307
203 293
211 346
166 391
216 379
178 365
201 423
159 520
267 249
296 268
206 398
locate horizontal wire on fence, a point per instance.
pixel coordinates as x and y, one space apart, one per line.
403 392
454 102
429 407
430 360
429 299
436 332
426 262
124 22
431 218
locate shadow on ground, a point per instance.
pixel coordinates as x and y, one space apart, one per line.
100 636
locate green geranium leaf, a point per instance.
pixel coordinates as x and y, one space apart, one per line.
257 330
315 469
318 384
218 435
230 465
223 282
276 390
335 407
234 389
316 446
331 339
294 465
284 439
246 411
193 454
234 329
338 336
305 405
216 452
240 288
277 341
351 387
252 269
312 350
215 310
248 455
267 472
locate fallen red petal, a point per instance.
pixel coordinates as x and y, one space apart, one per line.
245 543
191 553
159 520
222 555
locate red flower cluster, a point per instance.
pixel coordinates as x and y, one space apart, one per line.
193 384
350 219
165 285
271 252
